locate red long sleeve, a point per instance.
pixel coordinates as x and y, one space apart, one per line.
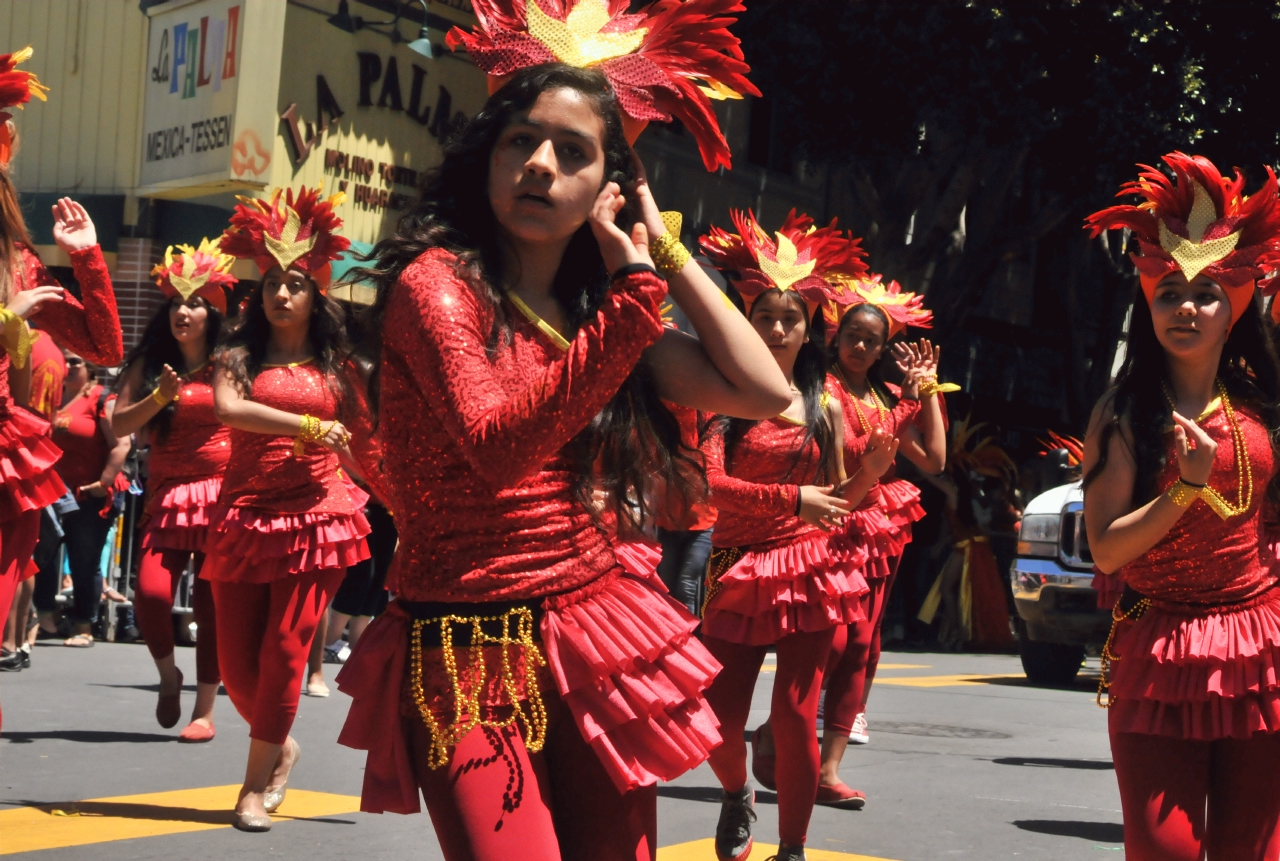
741 496
509 435
473 436
91 329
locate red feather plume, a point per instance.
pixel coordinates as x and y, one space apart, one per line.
254 221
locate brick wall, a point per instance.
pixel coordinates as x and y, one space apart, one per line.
137 296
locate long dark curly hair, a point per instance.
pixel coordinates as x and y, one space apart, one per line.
158 348
810 377
875 375
1249 369
244 346
634 440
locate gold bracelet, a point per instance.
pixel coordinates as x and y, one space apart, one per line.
1182 494
668 252
930 386
309 430
159 398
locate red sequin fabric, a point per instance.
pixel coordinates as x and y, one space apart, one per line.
756 489
473 436
281 514
184 470
92 330
1201 662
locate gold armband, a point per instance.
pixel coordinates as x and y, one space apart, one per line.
309 430
1182 494
15 337
931 386
668 253
159 398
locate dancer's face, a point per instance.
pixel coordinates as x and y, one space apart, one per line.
782 321
187 319
1191 318
860 341
547 168
287 298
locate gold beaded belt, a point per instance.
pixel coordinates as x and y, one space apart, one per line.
718 564
513 625
1131 606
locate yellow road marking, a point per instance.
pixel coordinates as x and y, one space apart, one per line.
906 666
79 823
960 680
701 850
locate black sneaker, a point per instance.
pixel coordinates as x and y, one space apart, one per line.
10 662
788 853
733 831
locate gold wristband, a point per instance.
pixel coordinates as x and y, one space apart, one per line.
309 430
15 338
1182 494
159 398
931 386
668 252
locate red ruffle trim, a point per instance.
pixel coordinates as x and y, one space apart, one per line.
27 456
246 545
811 584
179 518
1109 586
623 658
627 664
901 501
1199 677
872 529
641 559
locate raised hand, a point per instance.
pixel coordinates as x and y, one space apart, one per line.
617 248
169 384
882 448
28 302
1196 450
73 229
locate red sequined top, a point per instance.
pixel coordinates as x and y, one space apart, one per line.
1204 559
198 445
859 419
91 330
756 490
473 436
263 472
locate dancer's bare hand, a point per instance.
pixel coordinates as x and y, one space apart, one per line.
73 229
1196 450
882 448
820 507
27 303
616 247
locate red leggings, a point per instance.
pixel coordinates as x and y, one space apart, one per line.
496 801
159 572
1184 800
855 654
264 637
17 542
797 685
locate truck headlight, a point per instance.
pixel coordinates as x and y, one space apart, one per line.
1039 535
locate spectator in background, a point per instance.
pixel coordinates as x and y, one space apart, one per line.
91 468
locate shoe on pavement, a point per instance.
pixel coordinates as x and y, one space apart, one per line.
196 733
787 852
317 689
859 735
10 662
25 650
337 653
841 796
733 831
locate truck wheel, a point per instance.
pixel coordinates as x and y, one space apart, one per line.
1051 665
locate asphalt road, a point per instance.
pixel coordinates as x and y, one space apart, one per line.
965 761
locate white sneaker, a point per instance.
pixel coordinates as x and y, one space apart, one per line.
858 735
337 653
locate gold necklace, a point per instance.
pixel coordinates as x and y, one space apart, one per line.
882 412
1244 468
543 326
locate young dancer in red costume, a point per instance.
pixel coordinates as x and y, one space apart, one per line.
287 523
522 364
27 455
776 577
1179 459
167 390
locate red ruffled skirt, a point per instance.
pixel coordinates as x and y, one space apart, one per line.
180 513
621 656
27 456
871 528
640 559
1200 677
901 501
811 584
247 545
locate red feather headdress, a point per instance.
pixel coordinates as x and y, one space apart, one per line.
818 263
16 89
900 308
203 272
300 232
1073 446
669 60
1200 223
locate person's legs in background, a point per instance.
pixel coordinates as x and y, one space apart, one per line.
49 575
86 534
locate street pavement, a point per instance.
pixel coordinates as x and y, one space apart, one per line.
966 760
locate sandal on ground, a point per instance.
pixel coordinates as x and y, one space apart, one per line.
79 641
841 796
169 707
197 733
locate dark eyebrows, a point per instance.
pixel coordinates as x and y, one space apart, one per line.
560 130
